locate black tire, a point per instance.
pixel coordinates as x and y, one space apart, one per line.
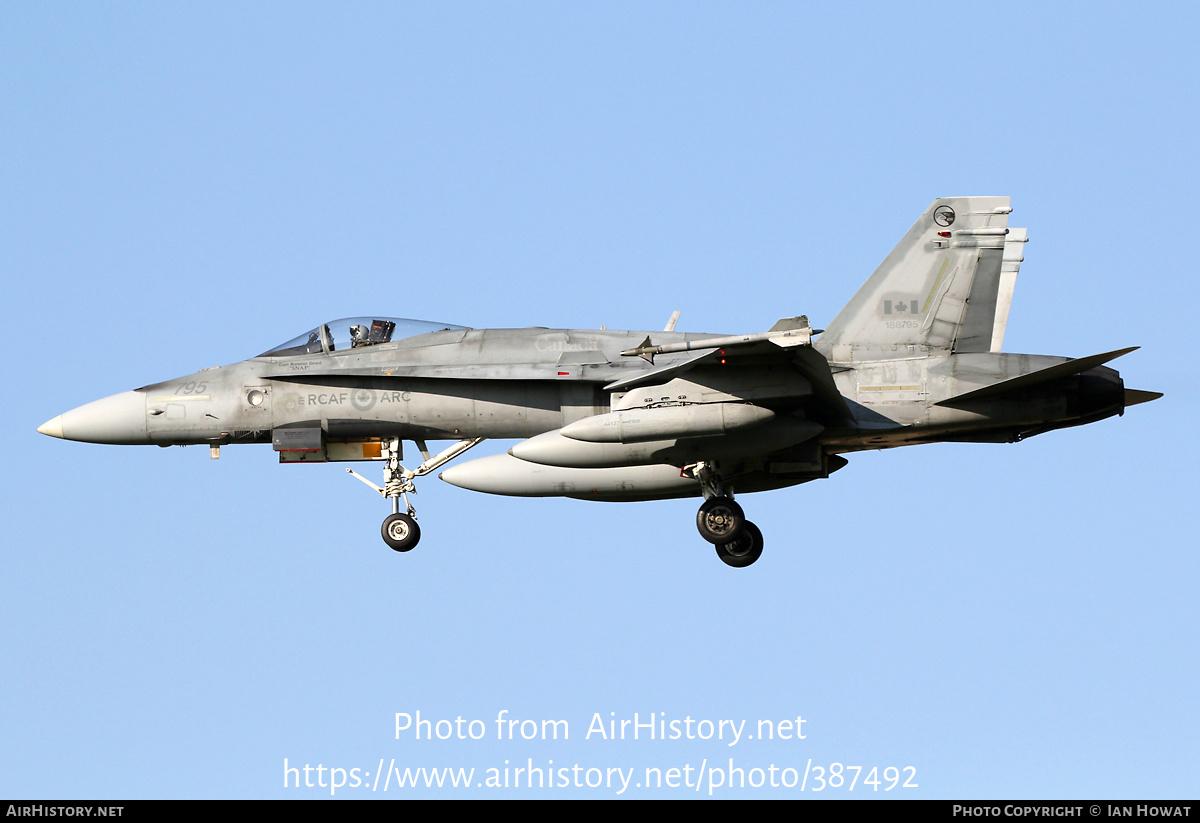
744 550
720 520
401 532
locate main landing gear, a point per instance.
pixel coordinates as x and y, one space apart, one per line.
400 530
722 522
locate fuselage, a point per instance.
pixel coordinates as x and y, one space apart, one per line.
518 383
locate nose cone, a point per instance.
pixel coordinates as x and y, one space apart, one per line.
52 427
120 419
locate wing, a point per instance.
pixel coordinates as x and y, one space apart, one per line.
780 365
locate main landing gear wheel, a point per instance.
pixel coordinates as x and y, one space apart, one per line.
745 549
720 520
401 532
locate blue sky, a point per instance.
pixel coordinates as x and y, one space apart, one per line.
186 186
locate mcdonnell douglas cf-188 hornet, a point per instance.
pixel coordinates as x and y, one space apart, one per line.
914 357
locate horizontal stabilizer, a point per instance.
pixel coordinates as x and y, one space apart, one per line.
1026 381
1135 396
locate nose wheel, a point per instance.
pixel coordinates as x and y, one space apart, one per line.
401 532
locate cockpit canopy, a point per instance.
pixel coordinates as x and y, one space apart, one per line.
355 332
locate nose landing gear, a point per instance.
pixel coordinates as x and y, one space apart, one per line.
400 530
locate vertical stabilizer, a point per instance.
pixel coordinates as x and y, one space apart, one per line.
947 286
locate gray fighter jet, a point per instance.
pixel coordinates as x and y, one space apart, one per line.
913 358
